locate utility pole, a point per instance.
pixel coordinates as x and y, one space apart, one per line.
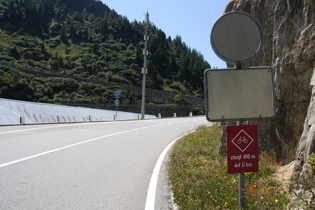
144 69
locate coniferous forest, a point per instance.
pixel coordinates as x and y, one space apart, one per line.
67 45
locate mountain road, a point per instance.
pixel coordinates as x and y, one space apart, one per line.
99 165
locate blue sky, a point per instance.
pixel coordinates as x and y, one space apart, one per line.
192 20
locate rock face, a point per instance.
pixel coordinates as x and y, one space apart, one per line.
307 141
289 47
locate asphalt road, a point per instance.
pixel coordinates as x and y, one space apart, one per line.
104 165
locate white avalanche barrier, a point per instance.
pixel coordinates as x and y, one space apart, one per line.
23 112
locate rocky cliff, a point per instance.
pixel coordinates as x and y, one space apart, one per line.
289 47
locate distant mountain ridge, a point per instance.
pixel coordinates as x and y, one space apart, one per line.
86 39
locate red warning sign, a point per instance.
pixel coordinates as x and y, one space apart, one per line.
242 148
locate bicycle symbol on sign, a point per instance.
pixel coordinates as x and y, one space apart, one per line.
242 139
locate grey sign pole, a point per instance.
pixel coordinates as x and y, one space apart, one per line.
242 191
241 184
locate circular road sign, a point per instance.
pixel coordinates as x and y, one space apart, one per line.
117 102
236 37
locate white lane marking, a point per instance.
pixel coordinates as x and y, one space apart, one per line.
61 148
150 201
78 124
64 125
32 129
49 127
65 147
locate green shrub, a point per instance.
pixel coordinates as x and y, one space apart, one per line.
311 161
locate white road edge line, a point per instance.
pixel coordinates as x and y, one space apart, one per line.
150 201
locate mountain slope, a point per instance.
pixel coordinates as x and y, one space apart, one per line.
86 39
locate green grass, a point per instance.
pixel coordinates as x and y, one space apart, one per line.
199 178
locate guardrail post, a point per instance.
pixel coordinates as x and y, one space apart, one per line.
22 120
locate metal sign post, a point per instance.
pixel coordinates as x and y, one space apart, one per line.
238 94
117 96
117 102
242 190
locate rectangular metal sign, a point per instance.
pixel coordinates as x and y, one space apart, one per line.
239 94
242 148
117 94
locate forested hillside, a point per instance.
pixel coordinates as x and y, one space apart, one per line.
86 39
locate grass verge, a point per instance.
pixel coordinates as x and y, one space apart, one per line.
199 178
